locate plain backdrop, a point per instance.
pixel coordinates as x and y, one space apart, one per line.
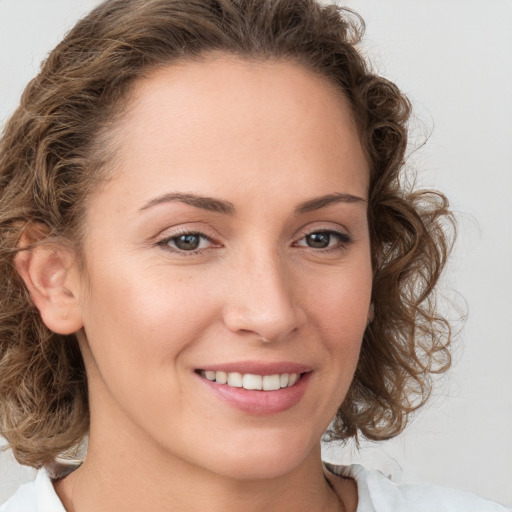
453 60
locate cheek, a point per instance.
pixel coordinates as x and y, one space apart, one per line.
340 302
137 321
338 313
140 330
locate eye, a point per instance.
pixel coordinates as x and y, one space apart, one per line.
186 242
327 239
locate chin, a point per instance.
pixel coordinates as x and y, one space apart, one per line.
269 455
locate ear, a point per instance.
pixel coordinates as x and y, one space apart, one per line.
51 276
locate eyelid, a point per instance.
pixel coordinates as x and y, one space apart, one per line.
344 238
324 228
163 240
187 228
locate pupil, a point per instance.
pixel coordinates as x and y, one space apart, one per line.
319 240
187 242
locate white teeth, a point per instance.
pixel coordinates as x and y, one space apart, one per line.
271 382
210 375
221 377
235 379
252 381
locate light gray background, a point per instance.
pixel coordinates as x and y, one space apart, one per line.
453 59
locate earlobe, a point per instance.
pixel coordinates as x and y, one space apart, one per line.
52 281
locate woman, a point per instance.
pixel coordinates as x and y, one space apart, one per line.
207 256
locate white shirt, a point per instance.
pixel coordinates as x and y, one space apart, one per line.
376 493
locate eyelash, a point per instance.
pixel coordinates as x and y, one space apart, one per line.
343 241
165 242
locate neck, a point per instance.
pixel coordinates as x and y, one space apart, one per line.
134 482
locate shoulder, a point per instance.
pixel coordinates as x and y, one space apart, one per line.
377 493
36 496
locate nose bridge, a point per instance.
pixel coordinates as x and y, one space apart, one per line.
262 298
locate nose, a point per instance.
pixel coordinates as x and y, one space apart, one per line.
262 300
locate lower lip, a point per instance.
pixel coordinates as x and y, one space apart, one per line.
260 402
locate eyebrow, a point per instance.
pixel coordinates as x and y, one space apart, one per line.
205 203
221 206
323 201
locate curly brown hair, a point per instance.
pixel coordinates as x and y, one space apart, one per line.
55 149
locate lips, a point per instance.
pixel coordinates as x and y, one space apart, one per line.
257 388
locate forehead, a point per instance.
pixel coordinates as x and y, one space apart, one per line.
223 121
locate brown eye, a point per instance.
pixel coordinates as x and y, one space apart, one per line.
189 242
325 240
319 240
186 243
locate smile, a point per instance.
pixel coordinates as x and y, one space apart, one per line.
251 381
257 388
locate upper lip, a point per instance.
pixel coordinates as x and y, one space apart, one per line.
258 367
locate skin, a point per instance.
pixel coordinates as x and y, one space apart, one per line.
265 137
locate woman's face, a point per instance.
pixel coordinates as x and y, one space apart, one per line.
231 243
